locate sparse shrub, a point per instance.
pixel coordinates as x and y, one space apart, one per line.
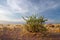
51 25
36 24
58 26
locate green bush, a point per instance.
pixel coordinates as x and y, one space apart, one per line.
35 24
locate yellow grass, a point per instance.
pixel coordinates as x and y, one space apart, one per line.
17 30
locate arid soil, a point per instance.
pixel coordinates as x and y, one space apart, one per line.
18 32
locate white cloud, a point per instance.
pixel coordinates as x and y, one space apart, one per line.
4 13
14 6
4 17
23 6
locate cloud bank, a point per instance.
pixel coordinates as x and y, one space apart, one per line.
12 10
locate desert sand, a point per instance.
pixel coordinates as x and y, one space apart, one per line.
18 32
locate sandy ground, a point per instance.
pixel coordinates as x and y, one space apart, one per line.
18 32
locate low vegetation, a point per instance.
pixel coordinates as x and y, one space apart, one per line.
17 32
36 24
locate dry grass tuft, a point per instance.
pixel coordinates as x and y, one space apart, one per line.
18 32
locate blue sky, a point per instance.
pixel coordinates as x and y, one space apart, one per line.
12 10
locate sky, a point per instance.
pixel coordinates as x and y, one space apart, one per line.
11 11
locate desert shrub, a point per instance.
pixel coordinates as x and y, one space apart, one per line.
51 25
35 24
58 26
